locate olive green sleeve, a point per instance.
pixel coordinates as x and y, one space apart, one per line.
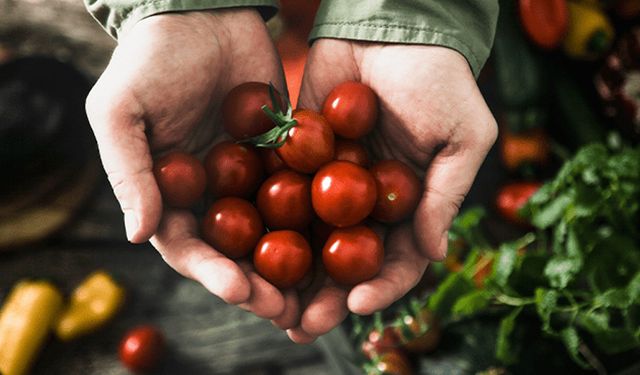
467 26
117 16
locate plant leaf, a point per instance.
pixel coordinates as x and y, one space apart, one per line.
561 269
449 291
548 215
546 303
504 349
471 303
571 341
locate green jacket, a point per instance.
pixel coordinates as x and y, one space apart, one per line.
468 26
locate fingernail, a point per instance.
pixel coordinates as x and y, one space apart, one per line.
444 245
130 224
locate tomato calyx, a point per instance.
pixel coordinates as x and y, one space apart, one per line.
283 121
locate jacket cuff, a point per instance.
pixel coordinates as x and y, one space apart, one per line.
463 25
118 16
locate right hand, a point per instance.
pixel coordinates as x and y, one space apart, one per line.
161 91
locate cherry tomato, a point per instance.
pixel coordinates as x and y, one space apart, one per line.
392 362
310 144
353 255
348 150
343 193
271 161
142 348
181 179
512 197
232 226
378 343
399 191
351 109
545 21
242 115
283 258
233 170
284 201
419 334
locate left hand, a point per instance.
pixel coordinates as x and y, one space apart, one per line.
432 117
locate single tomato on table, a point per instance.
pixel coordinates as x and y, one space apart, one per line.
399 191
181 179
232 226
283 258
242 114
353 255
233 170
142 348
351 109
343 193
284 201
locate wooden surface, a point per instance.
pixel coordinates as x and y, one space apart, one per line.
205 335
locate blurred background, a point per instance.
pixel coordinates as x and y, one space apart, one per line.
563 74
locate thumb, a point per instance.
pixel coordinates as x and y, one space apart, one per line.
118 125
447 181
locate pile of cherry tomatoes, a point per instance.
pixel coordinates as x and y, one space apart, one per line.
292 179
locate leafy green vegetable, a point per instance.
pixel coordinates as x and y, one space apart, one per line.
583 284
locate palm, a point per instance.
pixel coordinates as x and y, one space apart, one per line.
178 74
161 91
433 118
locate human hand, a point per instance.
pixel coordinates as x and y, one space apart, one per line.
432 117
162 90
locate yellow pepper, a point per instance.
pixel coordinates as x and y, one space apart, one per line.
93 303
590 32
26 319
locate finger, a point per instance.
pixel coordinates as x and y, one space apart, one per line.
299 336
447 181
402 270
323 72
325 311
118 126
180 247
290 317
265 301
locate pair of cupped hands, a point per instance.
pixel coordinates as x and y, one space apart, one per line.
163 90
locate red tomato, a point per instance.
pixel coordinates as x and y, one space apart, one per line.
181 179
512 197
351 109
284 201
378 343
283 258
399 191
392 362
142 348
419 334
271 160
233 170
348 150
545 21
353 255
310 144
343 193
232 226
242 115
